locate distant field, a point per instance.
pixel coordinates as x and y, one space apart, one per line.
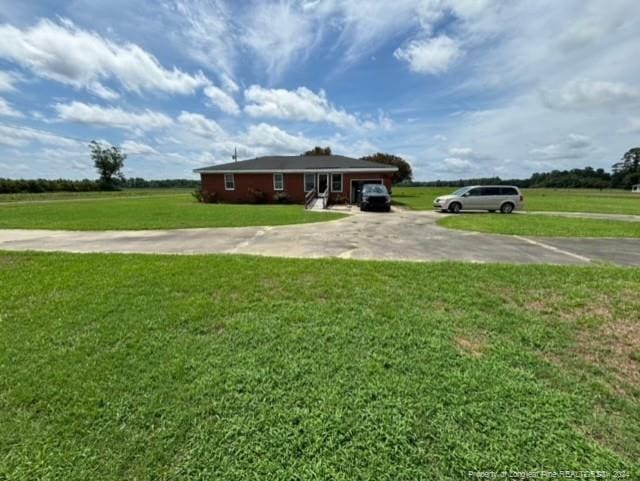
567 200
45 196
123 211
541 225
148 367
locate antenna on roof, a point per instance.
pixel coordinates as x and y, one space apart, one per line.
235 155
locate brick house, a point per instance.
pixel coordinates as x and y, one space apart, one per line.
340 178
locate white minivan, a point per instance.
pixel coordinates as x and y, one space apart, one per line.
505 198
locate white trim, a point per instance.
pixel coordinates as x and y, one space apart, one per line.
297 171
304 182
341 181
233 181
376 181
274 181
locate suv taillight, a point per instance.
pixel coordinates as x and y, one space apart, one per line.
521 198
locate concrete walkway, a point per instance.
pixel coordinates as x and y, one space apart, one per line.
401 235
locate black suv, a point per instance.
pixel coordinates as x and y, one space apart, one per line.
375 197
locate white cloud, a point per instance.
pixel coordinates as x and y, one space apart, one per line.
440 138
278 34
83 59
222 100
302 104
111 117
430 56
201 126
8 81
455 164
7 110
275 139
131 147
205 29
633 127
20 136
574 146
585 94
465 152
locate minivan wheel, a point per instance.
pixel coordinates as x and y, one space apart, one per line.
455 208
507 208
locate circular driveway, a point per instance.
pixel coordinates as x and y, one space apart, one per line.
401 235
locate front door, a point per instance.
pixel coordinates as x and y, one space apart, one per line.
323 182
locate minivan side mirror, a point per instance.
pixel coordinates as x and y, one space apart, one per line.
466 194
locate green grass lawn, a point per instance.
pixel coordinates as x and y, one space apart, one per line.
157 212
541 225
47 196
227 367
561 200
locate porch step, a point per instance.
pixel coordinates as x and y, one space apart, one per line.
317 204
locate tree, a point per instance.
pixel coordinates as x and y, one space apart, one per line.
404 168
627 172
319 151
109 162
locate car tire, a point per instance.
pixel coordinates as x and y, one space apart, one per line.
455 207
506 208
388 209
362 209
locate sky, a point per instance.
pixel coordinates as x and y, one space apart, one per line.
459 89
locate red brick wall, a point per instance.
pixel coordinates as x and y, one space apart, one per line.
293 185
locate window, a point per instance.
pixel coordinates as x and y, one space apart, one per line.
475 192
336 182
508 191
309 182
278 181
229 182
491 191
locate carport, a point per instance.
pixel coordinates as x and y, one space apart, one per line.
356 188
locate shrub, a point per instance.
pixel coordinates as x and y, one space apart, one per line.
258 197
282 197
204 196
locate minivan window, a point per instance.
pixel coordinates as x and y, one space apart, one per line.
508 191
475 192
491 191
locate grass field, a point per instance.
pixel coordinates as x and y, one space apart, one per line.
541 225
223 367
160 211
47 196
566 200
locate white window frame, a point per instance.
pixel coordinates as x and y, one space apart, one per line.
341 183
233 182
304 180
275 186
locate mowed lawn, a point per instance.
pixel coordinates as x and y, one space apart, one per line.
225 367
46 196
163 211
541 225
560 200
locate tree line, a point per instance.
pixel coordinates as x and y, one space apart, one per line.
109 162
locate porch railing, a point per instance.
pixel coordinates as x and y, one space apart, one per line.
309 198
325 198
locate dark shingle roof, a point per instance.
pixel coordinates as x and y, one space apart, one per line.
280 163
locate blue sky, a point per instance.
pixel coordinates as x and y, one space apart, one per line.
459 88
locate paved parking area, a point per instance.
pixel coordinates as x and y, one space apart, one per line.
401 235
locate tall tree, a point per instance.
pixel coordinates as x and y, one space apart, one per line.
109 162
627 172
404 171
319 151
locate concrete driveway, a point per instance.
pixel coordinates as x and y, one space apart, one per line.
402 235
